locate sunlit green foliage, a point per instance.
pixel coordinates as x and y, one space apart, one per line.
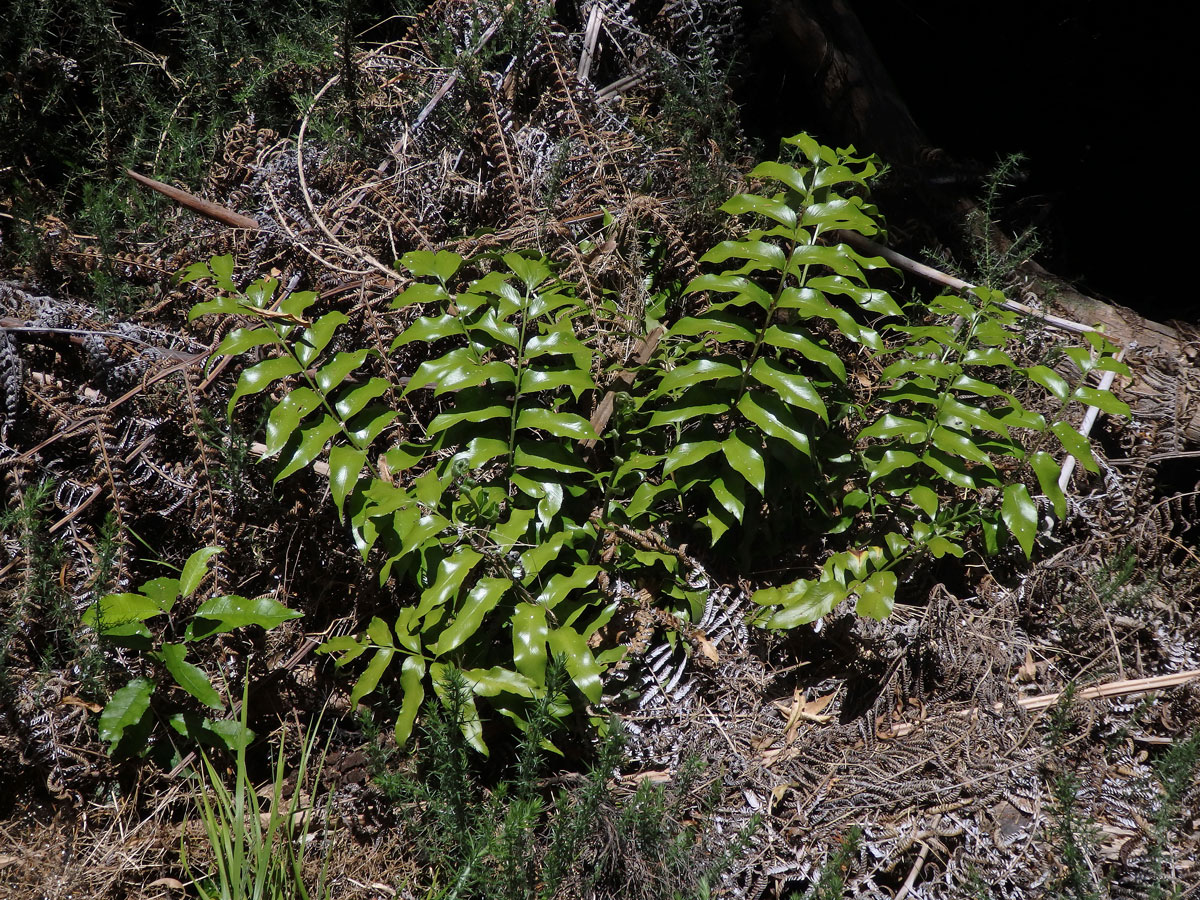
500 528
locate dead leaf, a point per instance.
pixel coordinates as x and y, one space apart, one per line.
708 649
72 700
1027 673
173 884
777 794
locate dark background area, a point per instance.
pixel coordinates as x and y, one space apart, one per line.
1093 94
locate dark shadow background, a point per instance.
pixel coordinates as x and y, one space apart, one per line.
1094 95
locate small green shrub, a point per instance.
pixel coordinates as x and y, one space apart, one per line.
1176 772
741 427
40 606
121 619
513 839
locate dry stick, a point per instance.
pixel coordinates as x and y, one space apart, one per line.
69 430
78 335
914 872
194 203
591 35
453 77
1085 428
1123 688
900 261
621 85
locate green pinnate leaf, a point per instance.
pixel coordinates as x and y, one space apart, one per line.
369 679
426 264
1047 472
1075 444
428 329
294 305
775 419
312 441
578 380
457 370
317 336
794 337
346 646
688 454
731 284
261 376
800 602
951 467
582 666
480 601
1020 515
230 733
345 466
957 443
532 272
842 213
763 206
1050 380
890 427
195 569
242 339
1102 400
164 591
791 387
222 272
420 292
113 611
189 677
412 686
378 633
286 416
877 595
988 356
561 584
125 711
560 424
889 463
788 175
529 635
450 575
745 459
731 494
768 254
925 499
226 613
222 306
498 680
473 408
353 401
335 372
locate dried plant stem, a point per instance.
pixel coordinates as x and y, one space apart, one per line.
1123 688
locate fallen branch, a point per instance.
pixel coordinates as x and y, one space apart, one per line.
902 262
1124 688
195 204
